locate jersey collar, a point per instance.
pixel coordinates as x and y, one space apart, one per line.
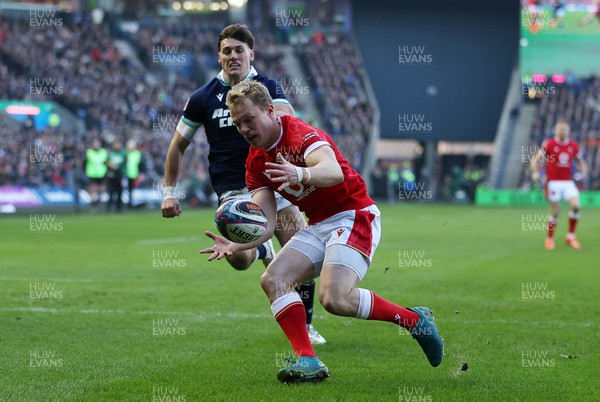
280 135
251 74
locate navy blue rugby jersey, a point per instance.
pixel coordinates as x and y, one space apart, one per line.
228 150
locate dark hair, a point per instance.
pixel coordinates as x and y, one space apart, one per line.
239 32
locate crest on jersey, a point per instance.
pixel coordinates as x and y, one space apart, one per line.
220 97
563 158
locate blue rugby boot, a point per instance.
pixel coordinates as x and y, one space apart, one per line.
427 335
305 369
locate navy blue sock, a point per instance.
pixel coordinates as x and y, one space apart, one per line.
262 251
307 294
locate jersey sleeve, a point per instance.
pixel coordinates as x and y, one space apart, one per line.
312 141
191 120
578 152
544 147
254 179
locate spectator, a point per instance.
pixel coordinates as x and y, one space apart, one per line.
116 163
132 168
95 170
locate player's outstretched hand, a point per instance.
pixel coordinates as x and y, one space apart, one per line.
170 208
282 172
221 248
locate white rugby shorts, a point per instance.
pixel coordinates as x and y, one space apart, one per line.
348 238
557 190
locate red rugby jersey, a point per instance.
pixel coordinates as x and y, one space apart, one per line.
297 140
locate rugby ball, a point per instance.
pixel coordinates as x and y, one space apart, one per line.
241 221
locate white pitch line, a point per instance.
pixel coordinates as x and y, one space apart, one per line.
140 312
202 315
535 323
168 240
29 279
205 315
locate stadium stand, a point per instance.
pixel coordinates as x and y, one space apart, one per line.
338 89
105 89
118 99
577 100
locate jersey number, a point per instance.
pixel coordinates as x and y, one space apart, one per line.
291 189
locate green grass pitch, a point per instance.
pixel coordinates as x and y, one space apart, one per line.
123 308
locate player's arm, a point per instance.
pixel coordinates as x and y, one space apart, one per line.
189 123
170 206
581 165
265 199
323 170
174 157
535 165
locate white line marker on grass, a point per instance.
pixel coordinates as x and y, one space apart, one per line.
205 315
140 312
28 279
168 240
199 314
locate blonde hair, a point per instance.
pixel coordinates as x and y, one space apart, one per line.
253 90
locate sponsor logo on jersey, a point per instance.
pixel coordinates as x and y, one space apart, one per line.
222 114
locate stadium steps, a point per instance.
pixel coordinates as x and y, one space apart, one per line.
518 157
294 69
370 154
512 136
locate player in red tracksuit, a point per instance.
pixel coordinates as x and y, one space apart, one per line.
558 154
301 162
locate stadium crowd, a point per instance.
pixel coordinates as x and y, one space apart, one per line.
338 89
118 99
96 82
577 100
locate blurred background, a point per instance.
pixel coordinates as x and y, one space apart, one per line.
431 100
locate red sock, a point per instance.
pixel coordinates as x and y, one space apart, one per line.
373 307
572 225
551 227
291 317
573 219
